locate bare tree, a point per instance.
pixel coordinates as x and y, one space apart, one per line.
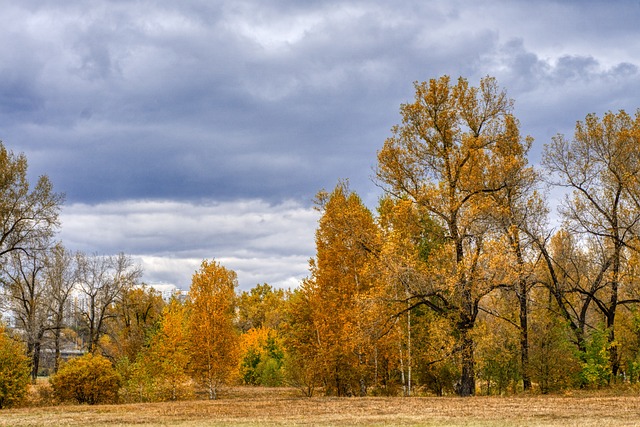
101 281
23 283
61 276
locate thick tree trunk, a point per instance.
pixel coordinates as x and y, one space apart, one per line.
35 362
467 384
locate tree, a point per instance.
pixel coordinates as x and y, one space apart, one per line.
601 167
261 306
519 209
61 276
29 301
103 280
342 275
28 221
410 236
136 315
451 152
302 361
14 370
169 353
212 335
28 218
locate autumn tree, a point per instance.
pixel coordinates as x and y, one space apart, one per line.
342 275
28 221
14 370
160 371
600 167
136 315
451 152
518 209
303 365
410 235
261 306
212 334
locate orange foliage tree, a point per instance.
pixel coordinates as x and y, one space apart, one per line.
342 276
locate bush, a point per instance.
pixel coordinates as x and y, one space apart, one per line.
15 373
88 379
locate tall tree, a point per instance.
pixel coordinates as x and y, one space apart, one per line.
448 156
601 168
29 300
519 209
213 337
343 274
61 277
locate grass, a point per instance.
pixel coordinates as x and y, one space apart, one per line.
282 407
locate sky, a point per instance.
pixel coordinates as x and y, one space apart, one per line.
202 129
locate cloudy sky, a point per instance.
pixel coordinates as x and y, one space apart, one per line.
197 129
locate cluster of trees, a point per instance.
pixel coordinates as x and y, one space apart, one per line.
457 283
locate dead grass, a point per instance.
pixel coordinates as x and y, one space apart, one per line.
282 407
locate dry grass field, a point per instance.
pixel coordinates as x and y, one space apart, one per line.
281 407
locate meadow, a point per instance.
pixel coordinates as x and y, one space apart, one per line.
246 406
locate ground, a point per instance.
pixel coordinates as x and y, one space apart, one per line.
284 407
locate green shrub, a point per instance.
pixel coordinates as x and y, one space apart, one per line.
15 373
596 368
88 379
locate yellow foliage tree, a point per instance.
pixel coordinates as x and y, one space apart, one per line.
342 276
455 147
168 356
14 370
212 335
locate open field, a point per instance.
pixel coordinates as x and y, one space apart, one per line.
278 407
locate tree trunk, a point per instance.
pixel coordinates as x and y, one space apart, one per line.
614 359
467 384
35 362
524 335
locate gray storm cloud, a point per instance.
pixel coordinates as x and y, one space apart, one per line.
152 115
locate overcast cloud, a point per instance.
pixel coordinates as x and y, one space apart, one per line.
185 130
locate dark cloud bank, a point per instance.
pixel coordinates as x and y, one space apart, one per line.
162 112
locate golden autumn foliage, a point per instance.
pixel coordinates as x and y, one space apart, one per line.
14 370
90 379
168 356
338 344
456 146
213 339
456 284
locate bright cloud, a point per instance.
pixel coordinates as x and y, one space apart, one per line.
261 242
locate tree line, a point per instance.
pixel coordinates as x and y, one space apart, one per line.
457 283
